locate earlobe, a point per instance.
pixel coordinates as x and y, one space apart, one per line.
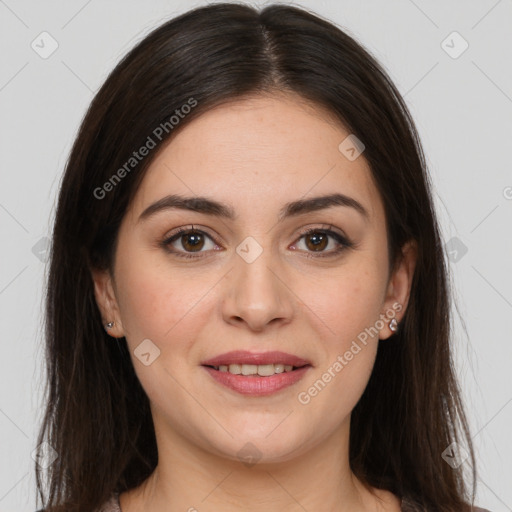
107 303
399 288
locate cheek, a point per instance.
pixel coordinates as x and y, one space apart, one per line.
345 309
154 303
346 301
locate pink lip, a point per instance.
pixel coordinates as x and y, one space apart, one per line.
256 385
245 357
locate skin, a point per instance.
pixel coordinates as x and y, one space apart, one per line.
254 154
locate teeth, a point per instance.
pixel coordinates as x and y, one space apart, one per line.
263 370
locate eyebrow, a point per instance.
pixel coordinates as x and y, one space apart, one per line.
207 206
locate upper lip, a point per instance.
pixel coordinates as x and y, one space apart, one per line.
245 357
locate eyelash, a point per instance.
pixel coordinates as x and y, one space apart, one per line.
344 242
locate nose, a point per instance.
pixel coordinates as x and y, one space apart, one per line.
257 294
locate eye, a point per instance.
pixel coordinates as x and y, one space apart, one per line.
191 241
316 240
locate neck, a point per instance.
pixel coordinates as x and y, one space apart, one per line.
190 478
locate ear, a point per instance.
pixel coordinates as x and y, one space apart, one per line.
107 302
399 287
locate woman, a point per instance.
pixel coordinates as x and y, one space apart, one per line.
247 304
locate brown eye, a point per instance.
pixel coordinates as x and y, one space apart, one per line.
317 241
192 241
185 242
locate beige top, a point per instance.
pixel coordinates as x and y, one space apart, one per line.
112 505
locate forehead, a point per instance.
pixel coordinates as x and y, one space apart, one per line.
256 154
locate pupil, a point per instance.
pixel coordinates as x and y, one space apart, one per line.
318 240
193 240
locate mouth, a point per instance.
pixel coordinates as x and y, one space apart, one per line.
256 370
282 360
254 384
256 374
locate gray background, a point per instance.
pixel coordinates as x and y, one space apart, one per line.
463 110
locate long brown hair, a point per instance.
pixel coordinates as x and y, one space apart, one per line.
97 416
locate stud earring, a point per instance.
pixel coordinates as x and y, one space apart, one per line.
109 325
393 325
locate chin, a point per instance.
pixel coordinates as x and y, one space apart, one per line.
260 448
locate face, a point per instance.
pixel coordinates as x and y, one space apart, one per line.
254 281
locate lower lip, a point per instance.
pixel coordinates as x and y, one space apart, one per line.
258 386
